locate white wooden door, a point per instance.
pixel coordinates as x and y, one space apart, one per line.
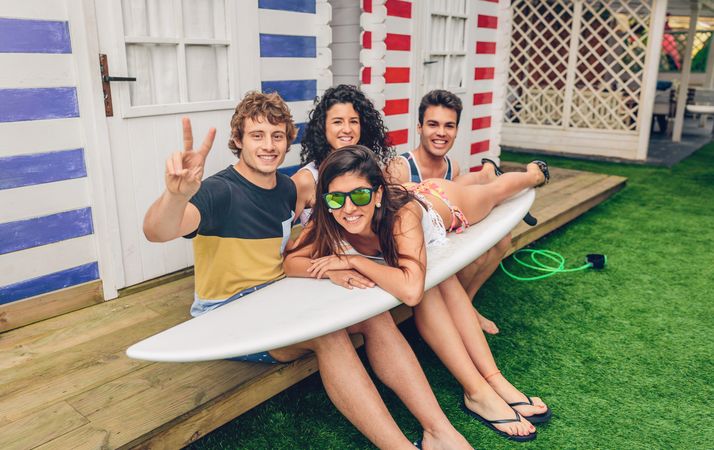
444 40
186 57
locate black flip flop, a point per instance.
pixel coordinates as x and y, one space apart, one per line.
535 418
543 166
490 423
528 219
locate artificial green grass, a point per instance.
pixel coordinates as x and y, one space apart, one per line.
623 356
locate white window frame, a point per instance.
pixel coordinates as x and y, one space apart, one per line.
119 66
447 54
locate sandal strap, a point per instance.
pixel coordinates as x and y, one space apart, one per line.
528 403
497 421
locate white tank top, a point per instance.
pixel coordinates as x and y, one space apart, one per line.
307 212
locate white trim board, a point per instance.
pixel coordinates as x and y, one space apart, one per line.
39 136
34 70
45 259
287 22
276 69
33 9
44 199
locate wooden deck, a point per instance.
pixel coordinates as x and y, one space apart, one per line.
65 383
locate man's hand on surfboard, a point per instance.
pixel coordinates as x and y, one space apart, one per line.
349 279
184 170
319 266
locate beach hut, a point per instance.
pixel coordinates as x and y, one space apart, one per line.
91 95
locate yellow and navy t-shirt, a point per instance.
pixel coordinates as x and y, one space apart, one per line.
242 235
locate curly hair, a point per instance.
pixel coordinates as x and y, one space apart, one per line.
373 134
255 105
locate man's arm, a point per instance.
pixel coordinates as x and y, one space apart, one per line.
305 186
171 215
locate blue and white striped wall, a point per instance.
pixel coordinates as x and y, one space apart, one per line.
294 57
46 228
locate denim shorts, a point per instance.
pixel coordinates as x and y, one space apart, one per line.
200 307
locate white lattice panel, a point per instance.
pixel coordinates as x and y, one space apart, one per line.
577 64
540 41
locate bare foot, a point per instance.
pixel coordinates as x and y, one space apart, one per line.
490 171
510 394
492 407
448 438
534 169
487 325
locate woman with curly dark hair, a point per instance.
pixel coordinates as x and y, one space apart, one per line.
342 116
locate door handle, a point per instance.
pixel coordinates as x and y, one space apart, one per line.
106 88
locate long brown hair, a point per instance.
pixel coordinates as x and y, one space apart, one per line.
326 233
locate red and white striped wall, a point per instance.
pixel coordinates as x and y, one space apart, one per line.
388 59
482 86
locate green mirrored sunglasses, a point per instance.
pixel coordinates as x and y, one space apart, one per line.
359 196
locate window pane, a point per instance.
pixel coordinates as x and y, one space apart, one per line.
204 19
207 72
153 18
435 73
458 30
438 34
439 5
156 70
456 70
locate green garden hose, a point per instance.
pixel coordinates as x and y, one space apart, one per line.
594 260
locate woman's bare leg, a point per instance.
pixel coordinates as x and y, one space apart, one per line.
476 201
489 266
466 322
349 387
484 176
436 326
471 272
395 364
473 276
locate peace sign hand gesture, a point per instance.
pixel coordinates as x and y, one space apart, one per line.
184 170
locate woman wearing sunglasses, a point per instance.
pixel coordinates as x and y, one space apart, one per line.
359 216
344 116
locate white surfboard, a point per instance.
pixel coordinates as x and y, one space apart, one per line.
294 310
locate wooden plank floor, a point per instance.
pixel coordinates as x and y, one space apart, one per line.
66 382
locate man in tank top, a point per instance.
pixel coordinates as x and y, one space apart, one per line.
439 114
